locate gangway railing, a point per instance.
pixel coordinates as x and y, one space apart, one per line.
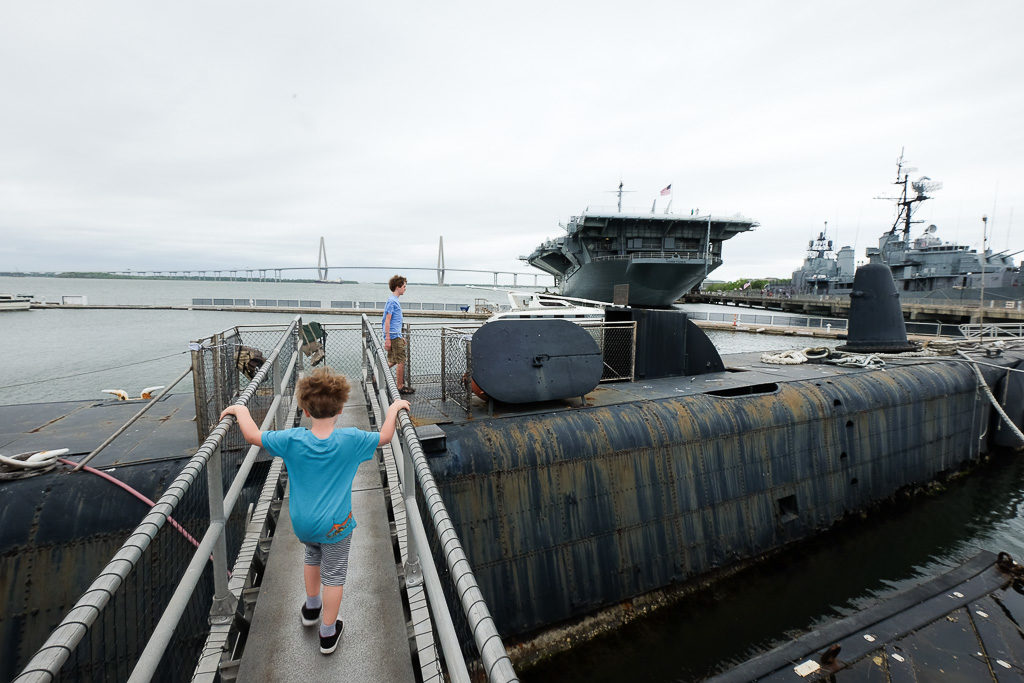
992 330
420 570
280 368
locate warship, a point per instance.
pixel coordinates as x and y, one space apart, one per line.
650 259
825 271
922 267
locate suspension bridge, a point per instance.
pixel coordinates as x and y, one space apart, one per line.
322 272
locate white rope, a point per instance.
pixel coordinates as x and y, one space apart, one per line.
32 461
790 357
859 360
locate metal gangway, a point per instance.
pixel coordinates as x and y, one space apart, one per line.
155 613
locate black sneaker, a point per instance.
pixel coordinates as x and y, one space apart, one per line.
310 616
329 644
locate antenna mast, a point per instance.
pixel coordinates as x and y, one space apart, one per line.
905 203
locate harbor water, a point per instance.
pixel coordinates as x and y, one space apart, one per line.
69 354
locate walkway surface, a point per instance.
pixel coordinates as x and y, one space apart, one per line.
375 644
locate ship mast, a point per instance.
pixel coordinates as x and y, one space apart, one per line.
905 203
620 192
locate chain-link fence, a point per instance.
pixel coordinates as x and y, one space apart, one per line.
224 365
456 365
617 342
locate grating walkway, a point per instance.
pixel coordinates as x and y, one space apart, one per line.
375 643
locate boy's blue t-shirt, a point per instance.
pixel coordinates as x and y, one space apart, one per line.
321 472
395 309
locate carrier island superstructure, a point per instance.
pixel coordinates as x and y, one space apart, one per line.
657 256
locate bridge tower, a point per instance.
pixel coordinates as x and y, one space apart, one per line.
440 260
321 262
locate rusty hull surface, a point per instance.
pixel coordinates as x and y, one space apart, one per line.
566 509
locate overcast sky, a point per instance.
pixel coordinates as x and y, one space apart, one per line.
212 135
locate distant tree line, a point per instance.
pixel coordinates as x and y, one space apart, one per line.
744 283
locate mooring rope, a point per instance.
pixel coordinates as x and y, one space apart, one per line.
992 397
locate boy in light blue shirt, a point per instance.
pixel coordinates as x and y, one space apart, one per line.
391 327
322 463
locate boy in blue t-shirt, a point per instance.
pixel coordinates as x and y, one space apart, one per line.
391 327
322 463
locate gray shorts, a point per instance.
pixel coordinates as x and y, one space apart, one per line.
332 558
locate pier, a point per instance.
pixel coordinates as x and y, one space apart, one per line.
949 311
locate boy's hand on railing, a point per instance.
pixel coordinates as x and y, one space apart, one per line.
232 410
387 430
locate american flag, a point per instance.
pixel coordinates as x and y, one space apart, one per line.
667 190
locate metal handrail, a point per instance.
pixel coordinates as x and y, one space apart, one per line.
495 659
993 330
45 665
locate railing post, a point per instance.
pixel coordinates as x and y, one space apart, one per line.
218 379
223 602
199 389
413 571
444 368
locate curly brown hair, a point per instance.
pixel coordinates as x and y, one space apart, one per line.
396 281
323 393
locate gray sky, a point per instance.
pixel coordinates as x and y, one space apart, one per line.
150 135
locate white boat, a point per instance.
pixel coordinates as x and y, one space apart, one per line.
15 302
538 305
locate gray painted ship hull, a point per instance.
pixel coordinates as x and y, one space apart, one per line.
651 283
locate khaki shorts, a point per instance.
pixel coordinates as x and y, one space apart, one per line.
398 353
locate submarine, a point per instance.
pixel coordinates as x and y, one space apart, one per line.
579 499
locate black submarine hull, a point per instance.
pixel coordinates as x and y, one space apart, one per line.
563 513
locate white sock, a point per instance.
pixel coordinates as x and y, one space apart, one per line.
313 602
327 631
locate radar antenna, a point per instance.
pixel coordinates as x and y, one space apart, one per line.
905 203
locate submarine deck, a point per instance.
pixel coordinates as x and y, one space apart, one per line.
744 372
166 432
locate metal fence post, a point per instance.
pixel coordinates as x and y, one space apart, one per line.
218 379
223 602
199 389
444 367
407 368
